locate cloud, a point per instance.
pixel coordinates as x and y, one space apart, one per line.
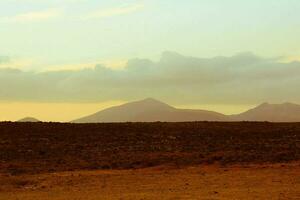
104 13
112 64
288 59
241 79
4 59
34 16
15 63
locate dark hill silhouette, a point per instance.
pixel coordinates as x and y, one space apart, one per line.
28 119
286 112
150 110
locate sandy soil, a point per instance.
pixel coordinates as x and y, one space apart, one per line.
280 181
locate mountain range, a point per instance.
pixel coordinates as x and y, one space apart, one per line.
151 110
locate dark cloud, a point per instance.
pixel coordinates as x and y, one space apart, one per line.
240 79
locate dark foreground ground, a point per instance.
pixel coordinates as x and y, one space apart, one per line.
32 148
135 161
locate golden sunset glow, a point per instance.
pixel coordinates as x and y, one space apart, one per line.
58 112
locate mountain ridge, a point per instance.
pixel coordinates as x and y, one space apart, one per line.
285 112
148 110
151 110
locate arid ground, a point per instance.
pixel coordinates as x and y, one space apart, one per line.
197 160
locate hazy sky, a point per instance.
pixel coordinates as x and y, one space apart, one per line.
60 32
42 37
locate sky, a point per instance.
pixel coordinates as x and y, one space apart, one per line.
80 56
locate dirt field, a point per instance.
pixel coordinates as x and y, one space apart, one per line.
197 160
52 147
199 182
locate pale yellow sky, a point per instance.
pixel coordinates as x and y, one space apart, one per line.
65 112
61 112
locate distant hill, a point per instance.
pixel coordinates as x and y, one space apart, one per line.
150 110
28 119
286 112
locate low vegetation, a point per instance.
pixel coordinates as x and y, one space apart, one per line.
30 148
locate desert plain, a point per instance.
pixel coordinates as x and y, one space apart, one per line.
191 160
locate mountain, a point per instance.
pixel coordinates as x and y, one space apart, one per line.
286 112
150 110
28 119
